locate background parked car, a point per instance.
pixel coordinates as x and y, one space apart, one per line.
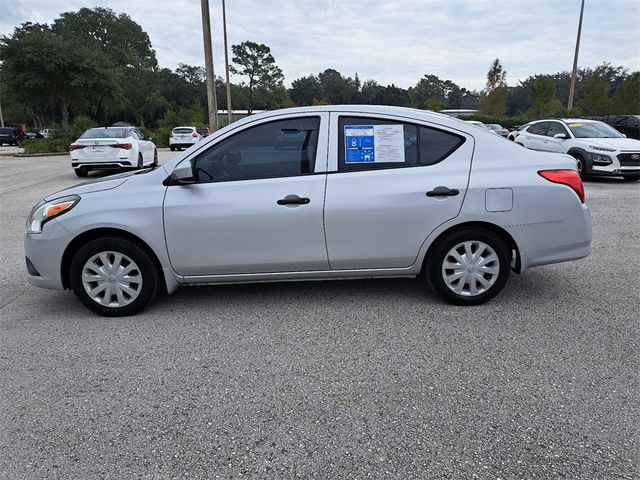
516 131
46 132
103 148
30 135
203 131
481 125
11 136
499 129
628 125
598 148
183 137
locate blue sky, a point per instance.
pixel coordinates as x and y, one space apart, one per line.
388 40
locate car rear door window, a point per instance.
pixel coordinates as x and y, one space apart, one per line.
374 143
538 128
283 148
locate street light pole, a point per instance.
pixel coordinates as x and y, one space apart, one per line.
1 117
226 63
574 73
208 62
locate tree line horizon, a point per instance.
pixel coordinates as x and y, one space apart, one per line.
99 65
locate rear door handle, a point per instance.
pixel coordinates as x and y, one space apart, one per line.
443 192
293 200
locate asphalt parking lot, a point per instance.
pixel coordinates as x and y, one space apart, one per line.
343 379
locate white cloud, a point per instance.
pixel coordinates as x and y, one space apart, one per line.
392 41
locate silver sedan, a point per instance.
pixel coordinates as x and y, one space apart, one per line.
315 193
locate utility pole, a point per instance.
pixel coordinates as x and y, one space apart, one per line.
226 63
1 117
208 62
574 73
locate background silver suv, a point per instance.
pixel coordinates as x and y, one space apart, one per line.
315 193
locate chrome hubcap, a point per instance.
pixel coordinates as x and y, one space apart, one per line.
112 279
470 268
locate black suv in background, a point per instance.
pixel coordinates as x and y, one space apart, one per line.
626 124
11 136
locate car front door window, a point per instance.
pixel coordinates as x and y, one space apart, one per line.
283 148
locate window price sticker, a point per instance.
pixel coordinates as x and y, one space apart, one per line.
374 143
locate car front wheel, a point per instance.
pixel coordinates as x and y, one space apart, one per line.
114 277
469 266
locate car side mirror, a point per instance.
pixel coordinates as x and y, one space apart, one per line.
624 135
560 136
182 174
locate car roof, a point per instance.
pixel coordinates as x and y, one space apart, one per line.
184 126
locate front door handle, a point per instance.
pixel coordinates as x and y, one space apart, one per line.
443 192
293 200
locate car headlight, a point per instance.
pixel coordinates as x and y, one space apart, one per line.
601 149
600 158
41 214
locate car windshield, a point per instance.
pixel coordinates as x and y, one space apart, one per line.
494 126
593 130
105 133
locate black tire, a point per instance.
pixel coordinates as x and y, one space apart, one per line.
583 168
148 271
81 172
172 149
439 253
632 177
140 162
155 158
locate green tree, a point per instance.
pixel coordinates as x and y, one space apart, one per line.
542 95
337 89
594 97
41 66
122 39
304 89
494 99
434 104
626 100
432 87
255 62
497 76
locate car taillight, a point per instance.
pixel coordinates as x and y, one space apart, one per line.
570 178
75 146
194 135
171 134
124 146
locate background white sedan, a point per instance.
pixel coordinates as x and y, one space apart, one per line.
103 148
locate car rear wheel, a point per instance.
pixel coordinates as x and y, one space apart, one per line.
632 177
114 277
155 158
81 172
469 266
140 162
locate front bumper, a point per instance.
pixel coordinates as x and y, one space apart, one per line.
44 252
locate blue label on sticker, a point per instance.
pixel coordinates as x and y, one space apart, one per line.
359 144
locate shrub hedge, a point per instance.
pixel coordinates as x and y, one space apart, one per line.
47 145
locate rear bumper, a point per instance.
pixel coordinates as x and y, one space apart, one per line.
101 165
554 242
